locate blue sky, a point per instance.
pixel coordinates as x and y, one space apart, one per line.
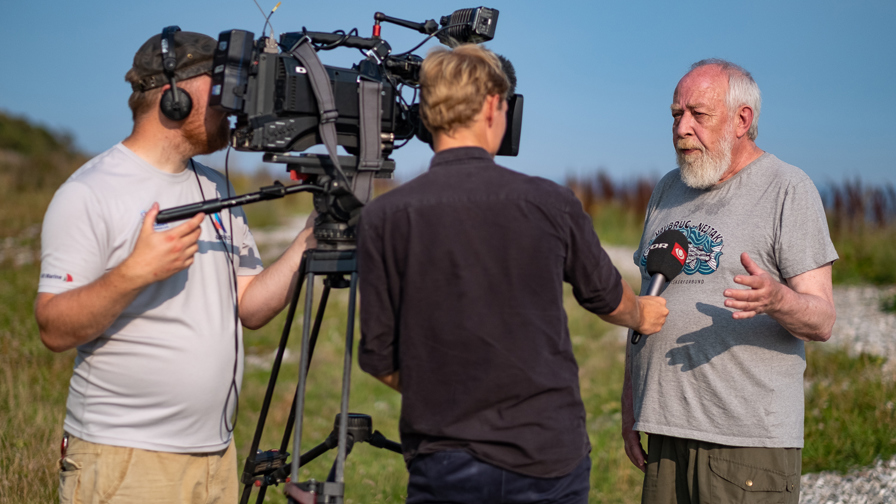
597 76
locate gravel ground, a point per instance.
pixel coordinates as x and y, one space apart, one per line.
873 485
860 328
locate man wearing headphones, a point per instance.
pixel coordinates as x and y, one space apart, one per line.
155 310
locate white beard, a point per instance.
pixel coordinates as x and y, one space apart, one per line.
702 171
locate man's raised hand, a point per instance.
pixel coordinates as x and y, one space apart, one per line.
159 255
763 296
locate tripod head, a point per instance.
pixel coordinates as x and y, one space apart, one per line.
334 200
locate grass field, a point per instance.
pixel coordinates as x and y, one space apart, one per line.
849 404
374 475
849 408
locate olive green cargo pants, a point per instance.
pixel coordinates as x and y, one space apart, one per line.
696 472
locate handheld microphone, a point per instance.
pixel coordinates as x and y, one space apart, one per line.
665 260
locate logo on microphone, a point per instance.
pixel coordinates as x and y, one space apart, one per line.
679 253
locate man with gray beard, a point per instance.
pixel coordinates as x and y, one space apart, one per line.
719 389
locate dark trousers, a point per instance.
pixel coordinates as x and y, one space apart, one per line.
454 476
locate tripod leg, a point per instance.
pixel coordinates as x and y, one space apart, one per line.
287 432
350 443
249 467
315 331
303 373
346 379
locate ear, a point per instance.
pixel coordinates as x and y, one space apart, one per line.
744 120
490 108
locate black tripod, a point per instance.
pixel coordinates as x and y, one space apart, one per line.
331 196
270 467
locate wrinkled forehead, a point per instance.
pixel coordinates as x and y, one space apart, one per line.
704 85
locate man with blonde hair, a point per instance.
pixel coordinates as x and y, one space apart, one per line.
462 273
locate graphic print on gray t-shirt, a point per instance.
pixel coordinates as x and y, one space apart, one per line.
705 245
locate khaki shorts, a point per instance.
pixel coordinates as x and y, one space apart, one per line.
695 472
93 473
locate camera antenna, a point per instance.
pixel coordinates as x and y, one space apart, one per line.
267 17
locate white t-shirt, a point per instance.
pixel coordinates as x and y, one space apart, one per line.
162 376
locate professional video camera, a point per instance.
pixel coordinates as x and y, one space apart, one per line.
286 101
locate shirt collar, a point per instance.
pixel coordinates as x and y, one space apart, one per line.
460 155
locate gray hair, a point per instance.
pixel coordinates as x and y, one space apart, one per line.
742 90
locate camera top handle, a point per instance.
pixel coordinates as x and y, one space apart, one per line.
378 45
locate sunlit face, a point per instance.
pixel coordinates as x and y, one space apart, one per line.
703 131
206 129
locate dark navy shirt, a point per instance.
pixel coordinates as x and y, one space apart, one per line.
462 273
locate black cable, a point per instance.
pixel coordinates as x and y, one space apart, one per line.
440 30
401 98
406 140
267 22
267 18
326 47
233 389
234 386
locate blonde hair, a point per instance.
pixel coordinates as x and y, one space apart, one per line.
454 84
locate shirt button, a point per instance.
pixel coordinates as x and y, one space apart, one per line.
749 483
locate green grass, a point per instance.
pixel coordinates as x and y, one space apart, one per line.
378 476
372 475
35 383
33 389
888 304
850 413
849 406
618 226
866 254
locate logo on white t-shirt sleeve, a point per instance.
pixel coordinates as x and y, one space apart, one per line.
67 277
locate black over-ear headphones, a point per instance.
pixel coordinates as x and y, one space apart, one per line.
176 103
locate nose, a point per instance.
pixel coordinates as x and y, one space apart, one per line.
683 125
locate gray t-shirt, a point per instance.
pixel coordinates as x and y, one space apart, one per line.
707 376
160 377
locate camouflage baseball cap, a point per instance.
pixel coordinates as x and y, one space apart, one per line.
194 53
